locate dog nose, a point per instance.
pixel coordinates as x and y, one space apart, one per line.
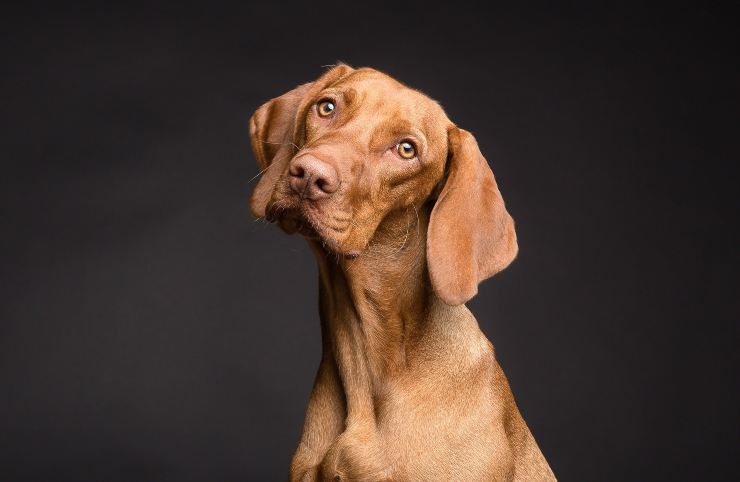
312 178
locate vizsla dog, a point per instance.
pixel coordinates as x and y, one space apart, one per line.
405 218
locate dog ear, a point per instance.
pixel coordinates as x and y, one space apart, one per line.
273 130
471 236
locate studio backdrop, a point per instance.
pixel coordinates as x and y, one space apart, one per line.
151 330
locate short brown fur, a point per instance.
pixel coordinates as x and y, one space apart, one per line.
408 387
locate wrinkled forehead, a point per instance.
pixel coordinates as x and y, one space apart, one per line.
374 98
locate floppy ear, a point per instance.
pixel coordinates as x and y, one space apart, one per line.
471 236
273 128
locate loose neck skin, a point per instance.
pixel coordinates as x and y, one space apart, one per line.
373 307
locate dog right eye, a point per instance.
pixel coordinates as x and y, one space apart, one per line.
325 108
406 149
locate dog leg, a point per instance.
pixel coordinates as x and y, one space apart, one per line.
324 422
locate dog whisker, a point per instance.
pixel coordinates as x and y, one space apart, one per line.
417 220
260 173
279 143
405 238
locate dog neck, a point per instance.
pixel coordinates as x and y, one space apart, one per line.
373 308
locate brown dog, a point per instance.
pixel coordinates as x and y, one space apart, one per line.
405 218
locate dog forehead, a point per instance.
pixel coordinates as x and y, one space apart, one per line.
369 79
381 91
380 102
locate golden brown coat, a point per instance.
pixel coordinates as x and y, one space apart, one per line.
408 388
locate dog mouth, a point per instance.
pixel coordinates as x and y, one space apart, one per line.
306 219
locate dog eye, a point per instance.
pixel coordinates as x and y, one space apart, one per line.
325 108
406 149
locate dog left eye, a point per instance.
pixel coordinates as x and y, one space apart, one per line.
325 108
406 149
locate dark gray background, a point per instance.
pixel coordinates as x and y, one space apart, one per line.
151 331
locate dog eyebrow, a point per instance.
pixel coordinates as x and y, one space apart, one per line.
347 96
335 93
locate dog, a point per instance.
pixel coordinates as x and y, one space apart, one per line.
405 218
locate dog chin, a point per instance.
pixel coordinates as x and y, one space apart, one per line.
295 220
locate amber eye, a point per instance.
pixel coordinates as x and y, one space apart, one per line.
406 150
325 108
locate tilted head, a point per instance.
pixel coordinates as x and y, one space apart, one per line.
344 152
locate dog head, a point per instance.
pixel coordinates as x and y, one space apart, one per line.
342 153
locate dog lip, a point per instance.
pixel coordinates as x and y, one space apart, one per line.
309 224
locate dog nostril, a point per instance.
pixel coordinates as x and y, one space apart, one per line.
321 183
297 171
